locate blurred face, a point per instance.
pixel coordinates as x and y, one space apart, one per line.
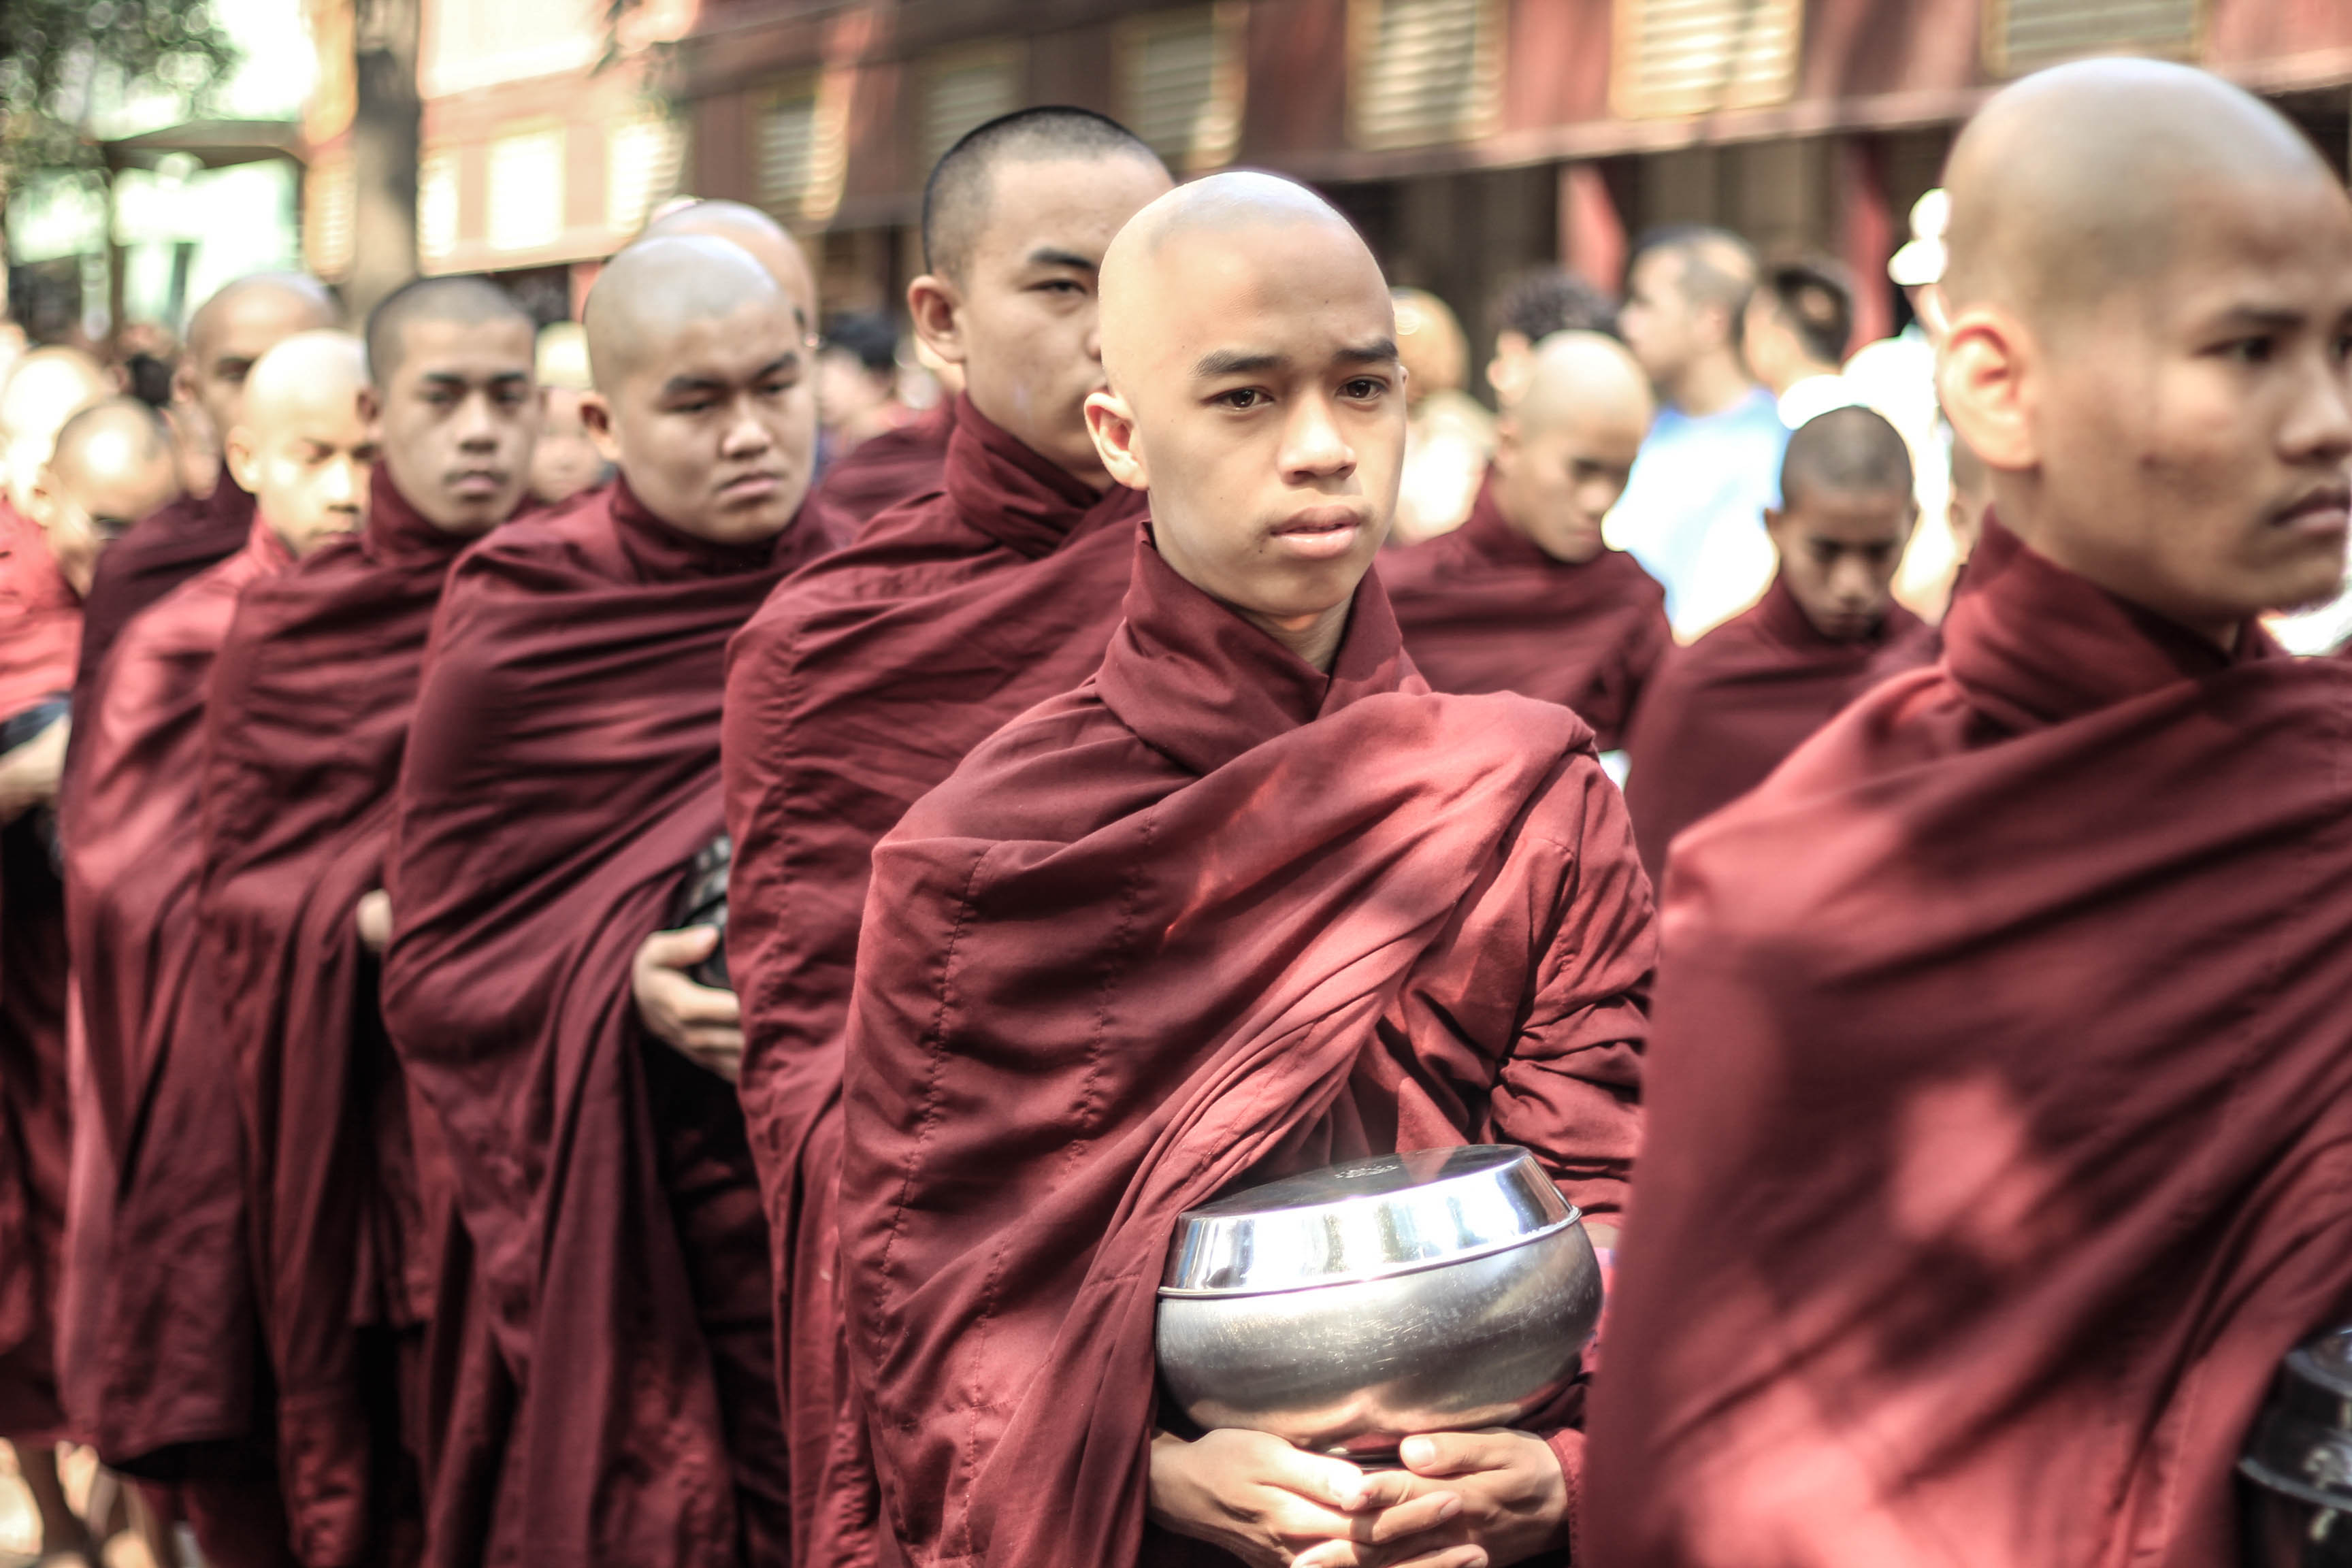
1556 485
458 421
1021 324
111 489
234 334
1508 372
1839 550
308 470
1768 344
715 424
564 461
2185 443
846 390
1266 414
1659 324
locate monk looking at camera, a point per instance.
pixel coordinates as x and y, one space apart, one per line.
562 774
160 1364
1249 900
1724 711
2002 1076
1525 596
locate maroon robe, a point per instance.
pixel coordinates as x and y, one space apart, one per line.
1723 712
307 719
562 770
2001 1109
1212 917
40 625
160 1354
882 472
162 550
1484 609
858 687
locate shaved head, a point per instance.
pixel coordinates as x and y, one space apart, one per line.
453 301
114 464
231 330
957 198
1566 449
656 286
768 243
44 389
302 443
121 435
1256 392
1848 450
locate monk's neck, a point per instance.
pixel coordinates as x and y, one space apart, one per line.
1314 639
2057 547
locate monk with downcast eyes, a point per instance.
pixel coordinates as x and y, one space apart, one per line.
1249 900
1525 596
561 774
2002 1074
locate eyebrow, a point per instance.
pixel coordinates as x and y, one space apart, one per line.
679 386
452 378
1236 361
2274 317
1047 256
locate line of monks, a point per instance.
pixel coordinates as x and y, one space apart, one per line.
410 1173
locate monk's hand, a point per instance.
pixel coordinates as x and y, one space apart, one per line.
702 1022
1512 1501
373 915
1272 1505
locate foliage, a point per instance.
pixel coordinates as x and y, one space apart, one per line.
60 58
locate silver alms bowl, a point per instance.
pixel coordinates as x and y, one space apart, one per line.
1350 1308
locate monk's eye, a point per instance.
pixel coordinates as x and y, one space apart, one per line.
2253 351
1366 389
1240 398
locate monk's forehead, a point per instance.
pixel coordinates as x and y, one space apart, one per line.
711 346
248 317
1263 287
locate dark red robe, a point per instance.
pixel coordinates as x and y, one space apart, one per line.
1484 609
882 472
1213 916
2001 1109
307 719
160 1354
1723 712
562 770
858 687
40 625
162 550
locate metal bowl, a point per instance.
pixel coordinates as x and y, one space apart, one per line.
1349 1308
2298 1465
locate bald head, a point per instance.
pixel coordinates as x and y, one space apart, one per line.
1847 449
958 194
114 464
44 389
303 445
1845 520
769 242
231 330
120 435
1256 393
463 303
657 286
1567 448
2082 177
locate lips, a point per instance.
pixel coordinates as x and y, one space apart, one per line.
2325 510
475 484
1319 533
750 488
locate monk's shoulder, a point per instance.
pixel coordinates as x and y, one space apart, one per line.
1063 768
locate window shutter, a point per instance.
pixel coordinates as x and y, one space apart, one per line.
966 90
643 159
1181 82
1696 57
1424 70
2022 35
330 201
436 206
526 190
803 145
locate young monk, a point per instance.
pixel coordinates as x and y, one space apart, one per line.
1525 596
865 681
227 338
306 725
2003 1078
1249 900
1724 711
562 773
159 1348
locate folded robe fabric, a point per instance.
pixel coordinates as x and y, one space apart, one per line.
1723 712
1216 915
307 719
162 550
562 770
1484 609
2000 1109
883 472
858 687
40 626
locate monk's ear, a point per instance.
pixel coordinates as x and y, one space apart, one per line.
371 406
1112 425
1980 377
934 302
244 459
1506 445
41 498
597 413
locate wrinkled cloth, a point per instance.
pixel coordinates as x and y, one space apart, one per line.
307 723
881 472
858 687
162 550
40 627
1484 609
562 770
1721 713
2000 1109
1214 917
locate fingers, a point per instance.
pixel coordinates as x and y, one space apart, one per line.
1408 1518
725 1061
680 949
1457 1453
1316 1476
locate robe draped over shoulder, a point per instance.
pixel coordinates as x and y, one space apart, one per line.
882 473
162 550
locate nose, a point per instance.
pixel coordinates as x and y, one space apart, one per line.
476 430
747 435
1313 446
1853 581
342 481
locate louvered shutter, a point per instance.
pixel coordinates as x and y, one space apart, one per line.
1425 72
1696 56
1181 82
2022 34
330 198
964 90
436 206
526 190
643 159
